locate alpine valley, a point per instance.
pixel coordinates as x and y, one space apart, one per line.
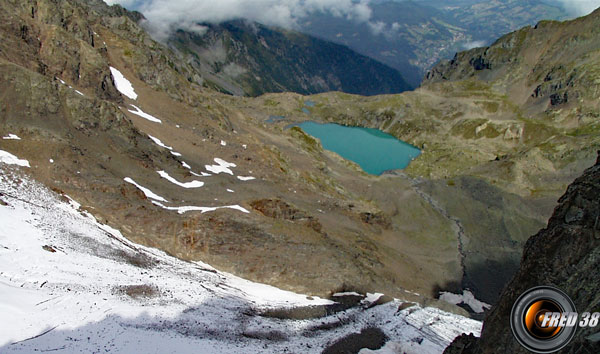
130 168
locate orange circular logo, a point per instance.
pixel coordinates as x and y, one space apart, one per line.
543 319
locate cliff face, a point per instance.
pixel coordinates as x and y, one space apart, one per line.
566 254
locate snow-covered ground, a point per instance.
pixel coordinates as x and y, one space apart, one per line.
70 284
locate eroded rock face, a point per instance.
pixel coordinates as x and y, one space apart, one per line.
279 209
566 254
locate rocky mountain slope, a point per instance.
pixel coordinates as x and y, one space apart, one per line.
71 284
122 125
565 255
85 138
500 140
247 58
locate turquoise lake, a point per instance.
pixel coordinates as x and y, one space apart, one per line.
373 150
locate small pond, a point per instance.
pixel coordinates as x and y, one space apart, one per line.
373 150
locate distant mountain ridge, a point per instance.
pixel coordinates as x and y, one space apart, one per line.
246 58
390 53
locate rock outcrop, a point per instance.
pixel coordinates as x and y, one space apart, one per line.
566 254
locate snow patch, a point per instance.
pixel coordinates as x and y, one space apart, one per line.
230 190
371 298
158 142
192 184
139 112
147 192
185 209
10 159
223 143
221 167
11 137
202 174
123 85
242 178
347 293
466 298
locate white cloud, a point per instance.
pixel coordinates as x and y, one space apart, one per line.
580 7
377 27
124 3
167 15
473 44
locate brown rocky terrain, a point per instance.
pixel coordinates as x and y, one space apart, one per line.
493 162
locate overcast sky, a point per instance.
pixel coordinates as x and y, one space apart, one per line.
164 15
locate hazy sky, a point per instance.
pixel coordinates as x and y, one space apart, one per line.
164 15
580 7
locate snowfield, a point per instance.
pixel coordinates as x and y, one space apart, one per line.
69 284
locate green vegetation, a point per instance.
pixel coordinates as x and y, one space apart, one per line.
270 102
489 106
309 143
592 129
